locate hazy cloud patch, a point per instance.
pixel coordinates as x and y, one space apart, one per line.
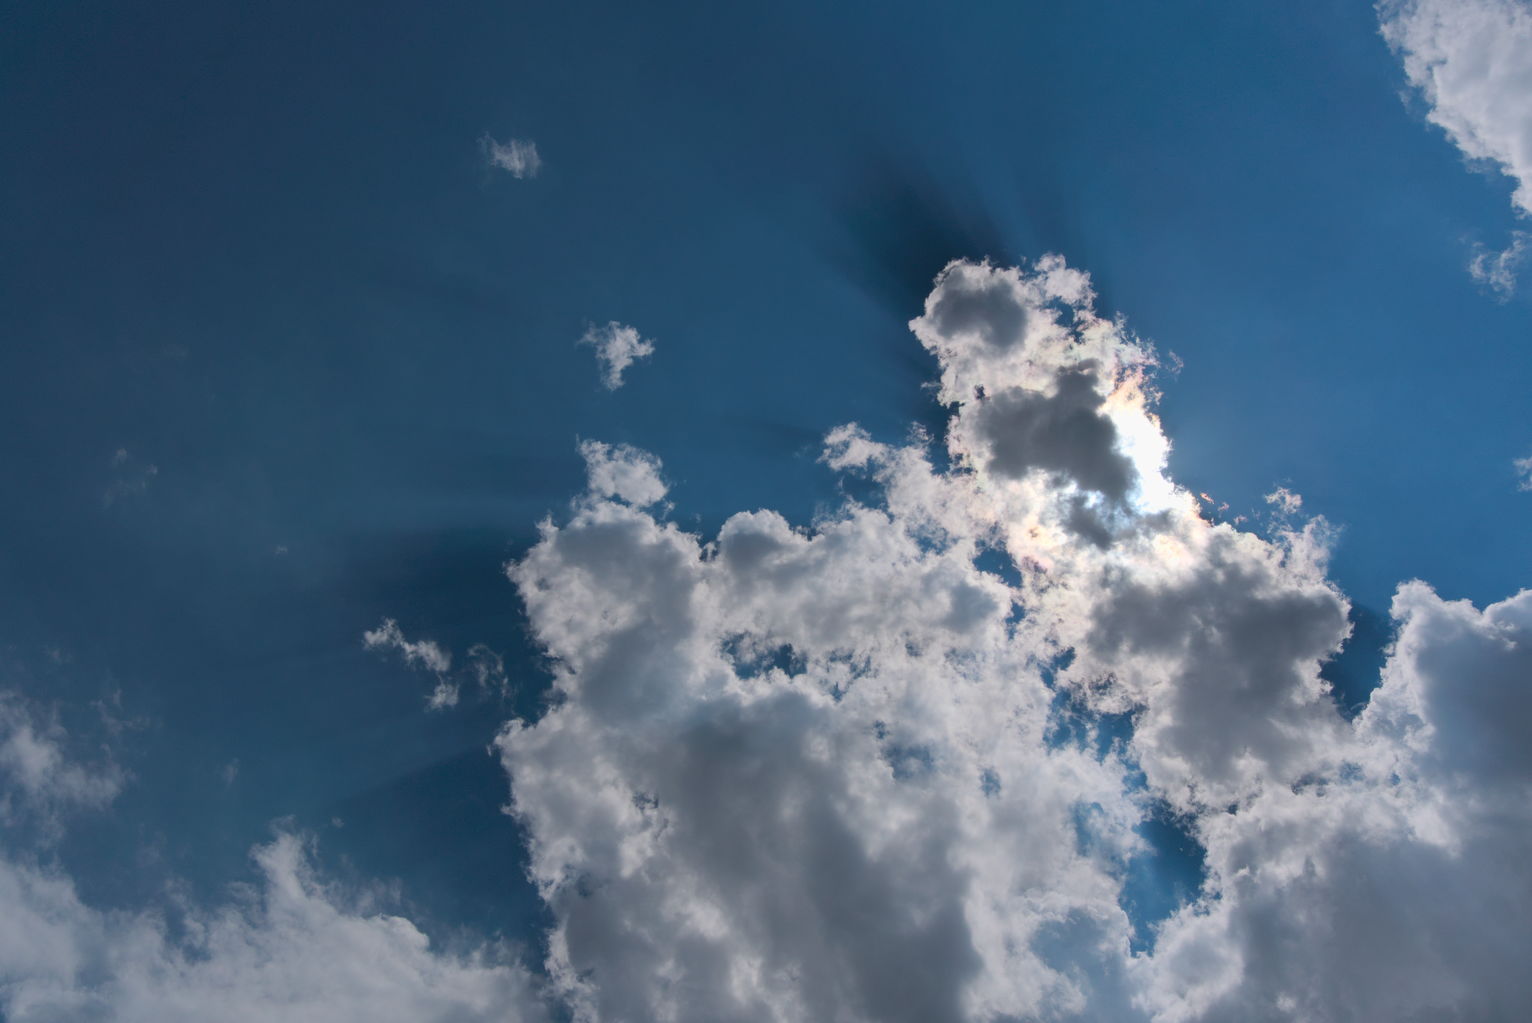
293 946
1497 270
422 653
517 157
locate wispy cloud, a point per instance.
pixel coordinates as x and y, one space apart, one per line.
1497 270
422 653
517 157
623 472
484 667
617 347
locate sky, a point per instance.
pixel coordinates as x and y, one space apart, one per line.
794 513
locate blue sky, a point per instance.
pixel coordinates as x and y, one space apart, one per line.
286 355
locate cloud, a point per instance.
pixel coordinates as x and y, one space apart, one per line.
1285 501
42 785
617 347
488 670
898 763
763 795
1062 431
1497 270
622 472
418 653
483 666
33 760
1393 889
293 946
290 948
1523 468
907 761
1472 62
517 157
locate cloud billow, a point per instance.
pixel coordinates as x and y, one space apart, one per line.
810 773
898 764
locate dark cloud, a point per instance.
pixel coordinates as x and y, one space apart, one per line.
1062 432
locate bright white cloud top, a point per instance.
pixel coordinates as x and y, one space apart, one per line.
1472 61
864 769
836 772
617 347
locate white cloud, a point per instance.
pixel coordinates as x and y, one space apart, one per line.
1524 470
484 667
417 653
842 772
1472 61
894 764
41 784
617 347
622 472
517 157
488 670
1395 889
1497 270
293 947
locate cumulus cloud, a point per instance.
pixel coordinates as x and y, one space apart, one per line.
1523 467
623 472
1472 62
422 653
487 668
617 347
292 947
906 761
897 763
517 157
1393 888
